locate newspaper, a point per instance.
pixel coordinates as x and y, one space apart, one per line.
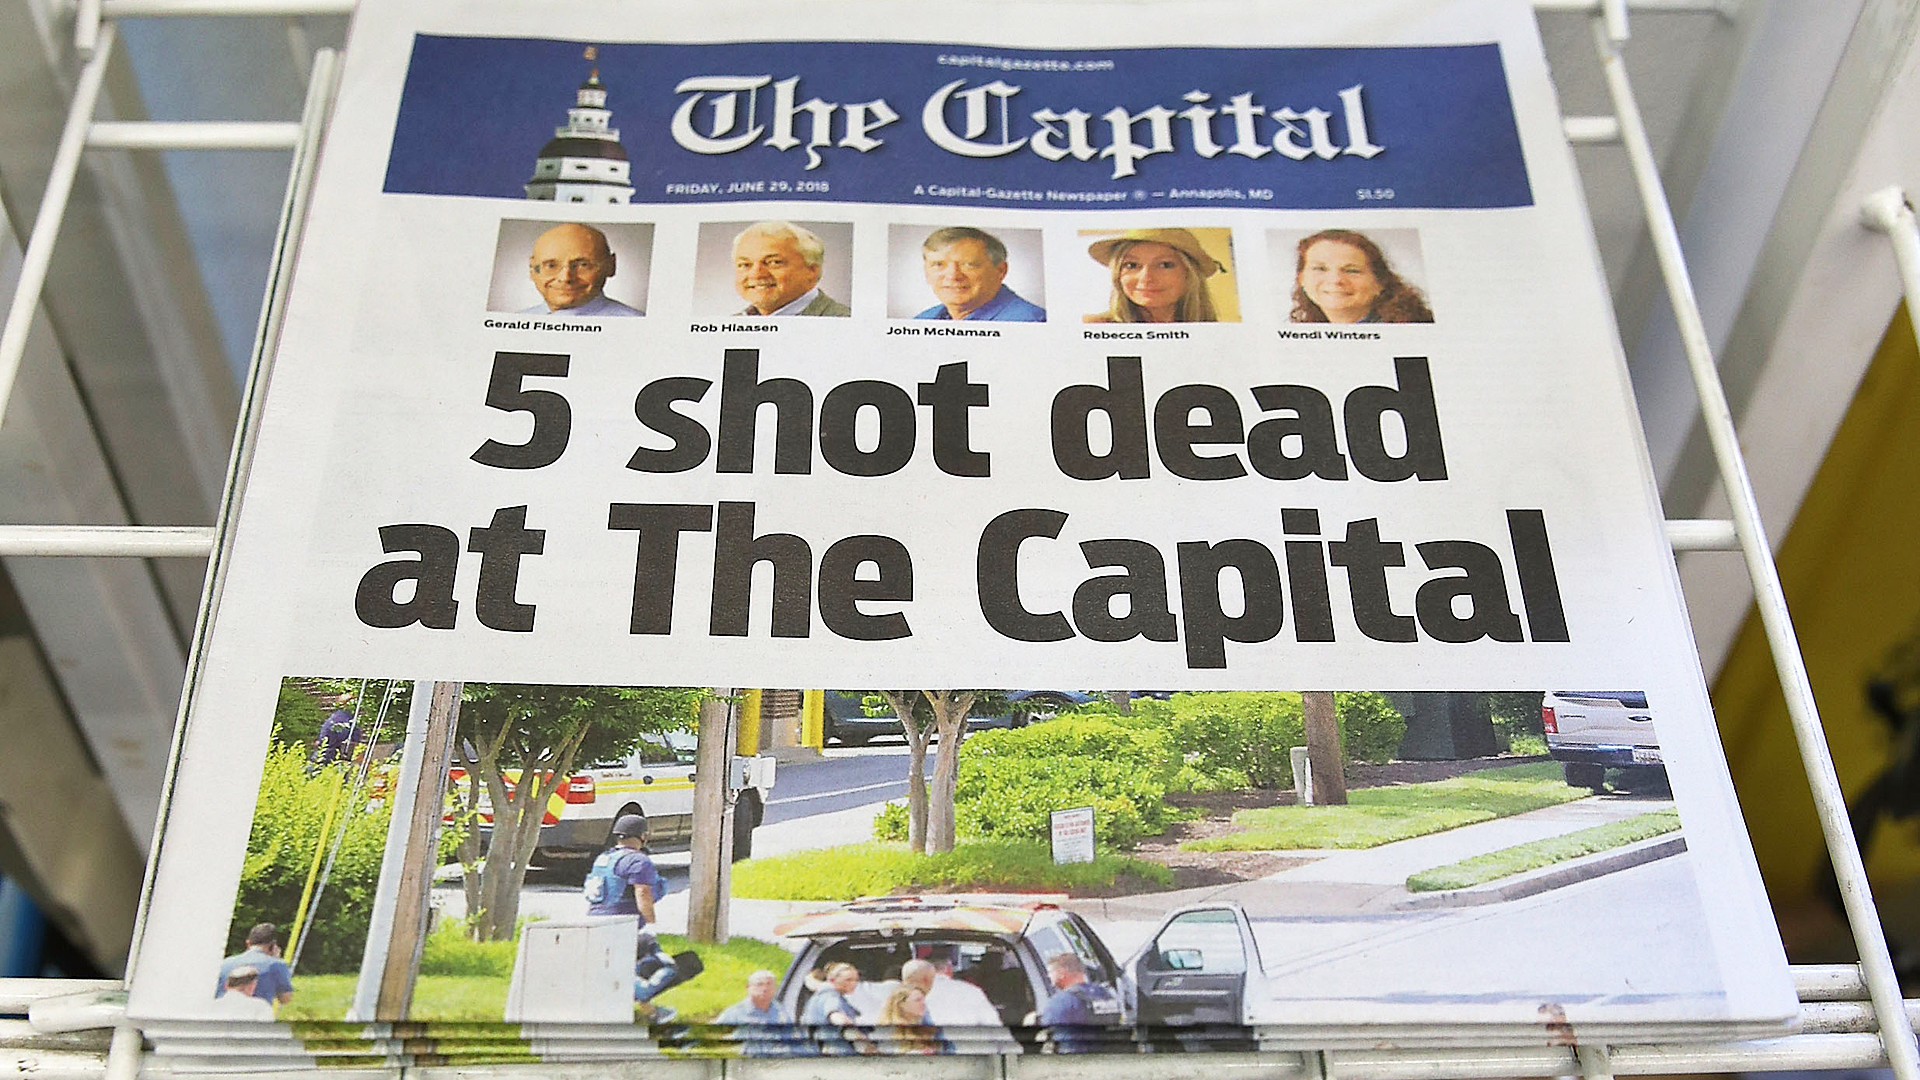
1234 378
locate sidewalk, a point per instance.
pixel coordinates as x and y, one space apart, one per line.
1370 881
1373 880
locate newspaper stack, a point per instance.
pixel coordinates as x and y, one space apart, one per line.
1254 356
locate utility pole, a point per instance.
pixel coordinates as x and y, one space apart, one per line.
398 929
710 876
1323 748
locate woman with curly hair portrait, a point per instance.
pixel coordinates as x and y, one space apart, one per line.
1341 276
1158 275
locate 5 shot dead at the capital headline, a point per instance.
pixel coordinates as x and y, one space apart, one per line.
861 586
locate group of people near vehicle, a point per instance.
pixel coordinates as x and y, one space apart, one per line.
843 1015
918 1013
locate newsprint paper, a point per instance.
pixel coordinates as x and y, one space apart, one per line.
1205 380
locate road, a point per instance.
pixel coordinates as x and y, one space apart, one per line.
1638 932
848 777
1625 938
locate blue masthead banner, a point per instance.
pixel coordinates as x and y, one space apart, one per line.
1302 128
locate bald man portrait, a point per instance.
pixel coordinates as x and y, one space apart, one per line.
570 266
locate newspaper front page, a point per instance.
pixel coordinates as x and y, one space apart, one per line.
1189 382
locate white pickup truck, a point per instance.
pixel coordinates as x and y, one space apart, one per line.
1591 731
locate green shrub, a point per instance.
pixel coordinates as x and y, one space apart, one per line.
449 951
287 823
1233 738
1517 723
1123 765
297 715
1116 739
891 822
1010 781
1370 727
1011 798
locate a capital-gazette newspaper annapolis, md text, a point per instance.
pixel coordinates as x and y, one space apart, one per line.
1147 384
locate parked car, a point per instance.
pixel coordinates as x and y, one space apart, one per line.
845 720
1200 970
1591 731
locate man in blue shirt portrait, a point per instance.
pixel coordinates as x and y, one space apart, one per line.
967 270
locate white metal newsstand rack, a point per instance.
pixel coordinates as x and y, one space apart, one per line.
1852 1016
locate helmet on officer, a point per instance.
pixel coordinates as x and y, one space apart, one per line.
633 825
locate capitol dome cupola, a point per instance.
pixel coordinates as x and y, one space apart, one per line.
584 161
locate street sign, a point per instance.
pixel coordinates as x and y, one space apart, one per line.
1071 832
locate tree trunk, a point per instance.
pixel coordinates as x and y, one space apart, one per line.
516 833
1122 700
1323 748
468 815
918 735
950 718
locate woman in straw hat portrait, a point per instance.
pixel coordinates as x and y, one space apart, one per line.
1158 275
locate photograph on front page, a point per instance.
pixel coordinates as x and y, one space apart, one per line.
1084 870
571 269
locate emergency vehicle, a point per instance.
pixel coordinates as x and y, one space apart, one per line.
654 780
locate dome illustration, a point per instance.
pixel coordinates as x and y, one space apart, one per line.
584 161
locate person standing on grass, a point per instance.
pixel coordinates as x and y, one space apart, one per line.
624 881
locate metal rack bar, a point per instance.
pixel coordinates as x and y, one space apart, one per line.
1594 7
136 9
1695 534
110 540
1889 211
191 135
1589 130
126 541
1830 803
53 209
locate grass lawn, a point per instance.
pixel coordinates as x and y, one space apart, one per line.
483 996
1381 815
435 997
725 979
878 868
1523 857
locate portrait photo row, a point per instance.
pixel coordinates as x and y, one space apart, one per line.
778 268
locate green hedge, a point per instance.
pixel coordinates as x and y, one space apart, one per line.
1011 798
1225 736
1123 765
280 849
